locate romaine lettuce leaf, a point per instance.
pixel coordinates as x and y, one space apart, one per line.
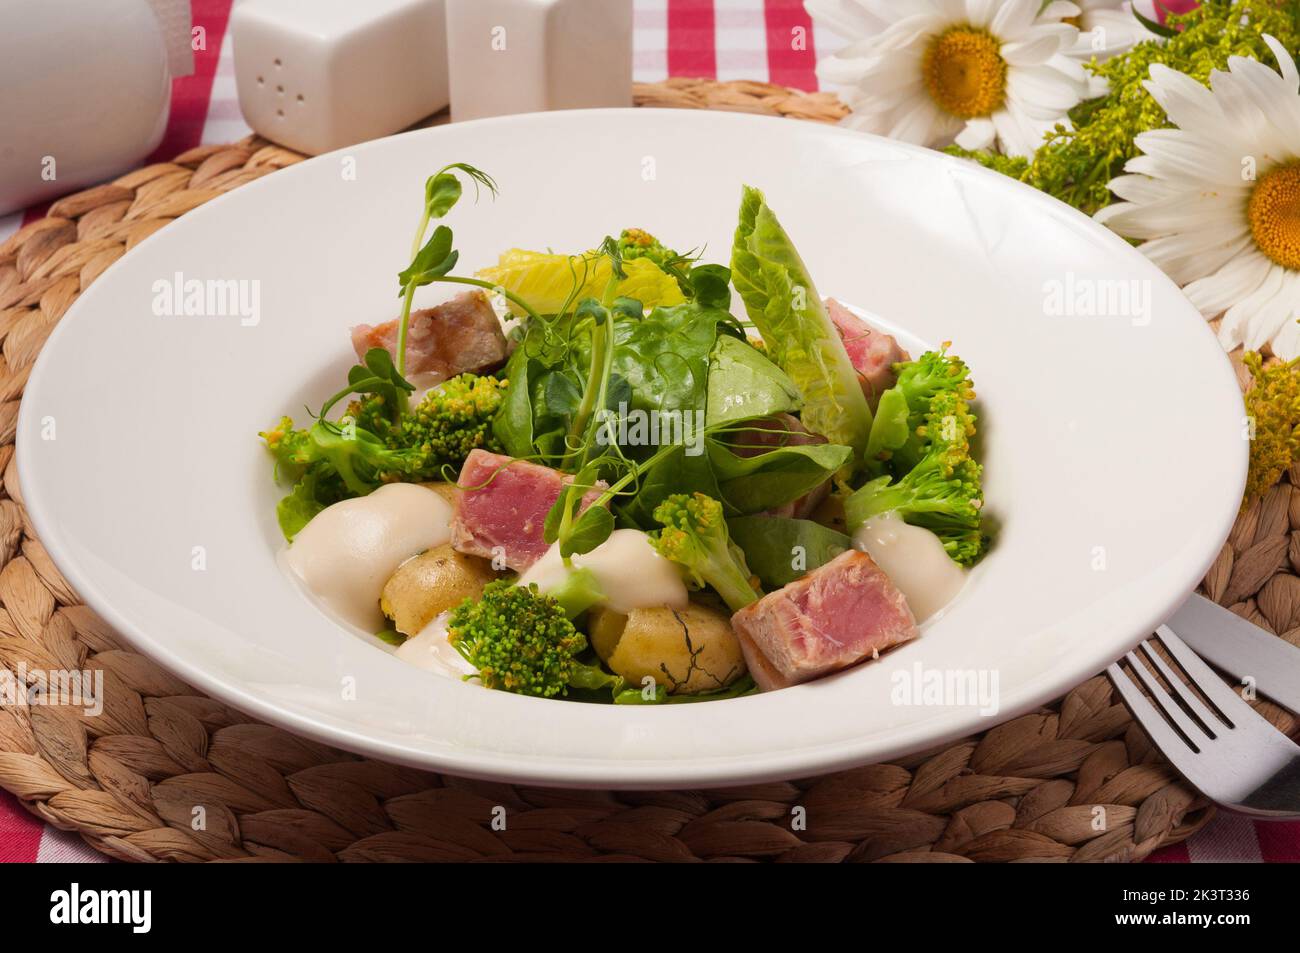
784 305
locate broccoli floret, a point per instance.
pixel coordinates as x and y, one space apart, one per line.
579 591
519 640
335 460
439 433
964 546
695 537
920 452
355 455
936 495
937 389
329 462
931 488
637 243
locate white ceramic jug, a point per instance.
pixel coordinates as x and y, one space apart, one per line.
85 91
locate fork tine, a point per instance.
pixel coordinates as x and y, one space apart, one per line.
1166 738
1229 703
1211 722
1196 736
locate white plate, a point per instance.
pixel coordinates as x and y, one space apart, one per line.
1114 447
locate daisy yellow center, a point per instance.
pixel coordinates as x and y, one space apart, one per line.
1274 215
964 72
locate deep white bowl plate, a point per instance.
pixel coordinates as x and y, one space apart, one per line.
1113 443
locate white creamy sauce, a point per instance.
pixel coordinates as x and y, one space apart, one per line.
431 651
627 567
914 559
349 550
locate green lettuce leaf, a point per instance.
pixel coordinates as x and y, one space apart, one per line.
300 506
766 481
780 550
660 363
784 305
743 384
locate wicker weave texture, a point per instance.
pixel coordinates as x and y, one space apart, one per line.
130 780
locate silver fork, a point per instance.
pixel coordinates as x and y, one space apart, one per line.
1228 752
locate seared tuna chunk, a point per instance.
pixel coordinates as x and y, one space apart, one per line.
835 616
502 507
873 353
459 336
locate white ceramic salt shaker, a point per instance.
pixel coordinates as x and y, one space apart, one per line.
515 56
319 75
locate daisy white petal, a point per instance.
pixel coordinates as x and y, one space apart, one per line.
980 13
978 134
1014 18
1107 28
1232 331
929 70
1287 343
1031 52
1231 283
1186 256
846 17
1141 189
1289 72
1267 321
1060 8
1171 155
1041 86
1190 105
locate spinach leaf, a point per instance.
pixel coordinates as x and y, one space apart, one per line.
763 482
780 550
743 384
783 303
675 473
664 357
711 286
660 363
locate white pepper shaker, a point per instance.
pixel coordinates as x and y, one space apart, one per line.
515 56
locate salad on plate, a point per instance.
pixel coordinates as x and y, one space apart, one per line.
626 475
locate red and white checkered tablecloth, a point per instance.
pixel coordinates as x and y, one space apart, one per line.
722 39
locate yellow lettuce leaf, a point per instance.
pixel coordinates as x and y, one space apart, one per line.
545 280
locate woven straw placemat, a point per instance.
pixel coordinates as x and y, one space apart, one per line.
129 780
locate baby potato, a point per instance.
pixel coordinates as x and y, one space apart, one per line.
431 583
687 650
448 491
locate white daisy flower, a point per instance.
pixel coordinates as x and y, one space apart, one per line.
1216 200
1108 28
983 73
